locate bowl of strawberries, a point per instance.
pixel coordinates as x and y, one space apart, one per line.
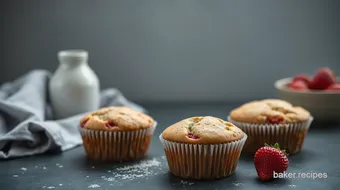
319 94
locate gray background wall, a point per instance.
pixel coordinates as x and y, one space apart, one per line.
156 50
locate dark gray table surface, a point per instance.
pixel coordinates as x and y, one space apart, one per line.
72 170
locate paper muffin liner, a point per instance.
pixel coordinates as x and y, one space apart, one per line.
202 161
116 145
289 136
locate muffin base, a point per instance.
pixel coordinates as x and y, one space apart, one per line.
200 161
116 145
289 136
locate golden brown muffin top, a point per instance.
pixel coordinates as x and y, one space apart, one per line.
271 111
116 119
202 130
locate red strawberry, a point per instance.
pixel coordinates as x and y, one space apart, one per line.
302 77
334 87
192 136
323 78
82 125
275 120
270 159
111 124
298 85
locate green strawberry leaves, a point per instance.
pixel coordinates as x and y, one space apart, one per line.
277 146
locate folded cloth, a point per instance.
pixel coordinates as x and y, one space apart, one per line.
26 125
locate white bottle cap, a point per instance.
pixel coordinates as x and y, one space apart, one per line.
72 56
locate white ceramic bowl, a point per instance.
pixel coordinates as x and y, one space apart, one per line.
323 105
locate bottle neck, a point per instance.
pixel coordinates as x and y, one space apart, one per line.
73 58
73 64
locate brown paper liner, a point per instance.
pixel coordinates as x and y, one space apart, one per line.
200 161
116 145
289 136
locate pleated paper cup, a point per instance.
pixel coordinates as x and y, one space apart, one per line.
202 161
289 136
117 145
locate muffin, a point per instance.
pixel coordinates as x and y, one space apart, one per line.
272 121
116 134
202 147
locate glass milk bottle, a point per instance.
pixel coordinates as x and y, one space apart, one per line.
74 88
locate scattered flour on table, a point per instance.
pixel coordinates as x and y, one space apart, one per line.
292 186
185 183
142 165
93 186
59 165
139 170
238 184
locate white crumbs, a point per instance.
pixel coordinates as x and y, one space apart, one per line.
60 185
50 187
183 182
44 168
59 165
142 169
93 186
238 184
142 165
292 186
186 183
24 169
110 179
15 176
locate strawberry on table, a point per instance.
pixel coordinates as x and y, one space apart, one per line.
323 78
270 159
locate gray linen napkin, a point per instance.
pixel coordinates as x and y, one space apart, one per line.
26 125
